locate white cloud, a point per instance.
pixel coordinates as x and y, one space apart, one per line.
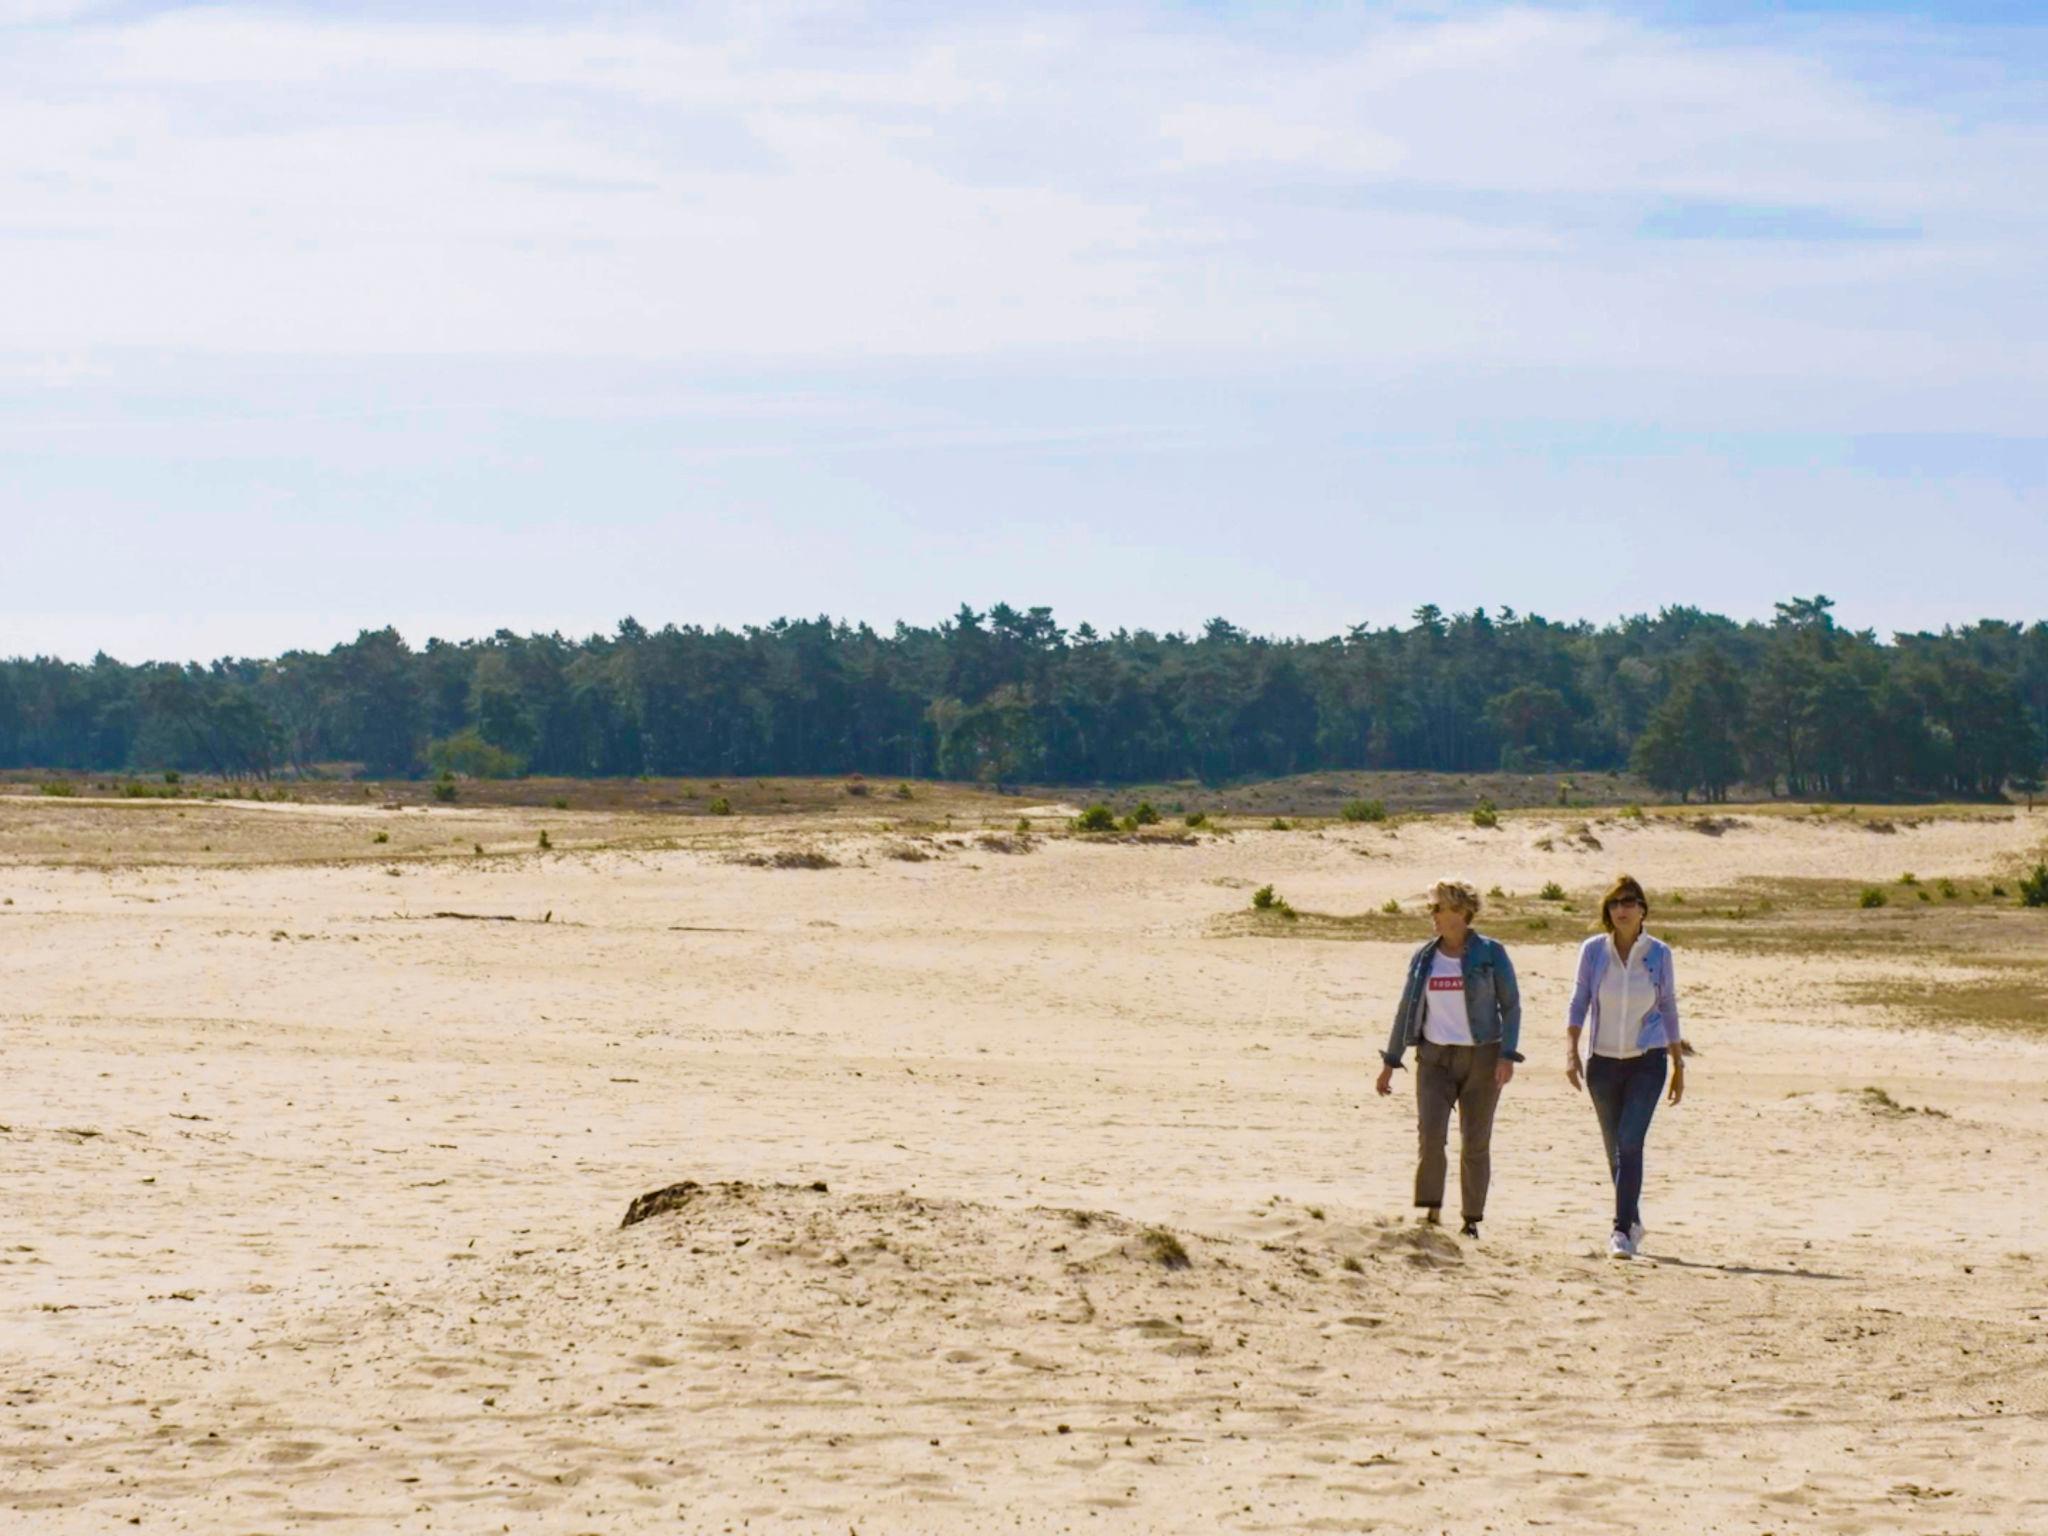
1420 193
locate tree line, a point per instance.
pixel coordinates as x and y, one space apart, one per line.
1695 702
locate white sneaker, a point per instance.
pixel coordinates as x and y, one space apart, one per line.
1635 1238
1619 1246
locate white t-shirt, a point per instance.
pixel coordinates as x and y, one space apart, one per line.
1627 992
1447 1022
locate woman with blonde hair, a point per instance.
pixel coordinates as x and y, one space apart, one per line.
1462 1011
1627 988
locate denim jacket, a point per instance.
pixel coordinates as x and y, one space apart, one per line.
1493 1002
1660 1025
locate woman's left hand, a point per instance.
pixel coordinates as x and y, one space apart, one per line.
1502 1071
1677 1083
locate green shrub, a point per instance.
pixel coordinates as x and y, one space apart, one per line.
444 789
1024 824
720 807
1392 907
468 753
1145 815
1127 824
1195 819
856 786
381 837
1364 810
1097 818
1998 890
1497 894
1551 891
1265 900
2034 887
172 776
1280 824
1909 878
62 788
1947 887
545 843
1871 897
560 803
1632 812
134 791
903 792
1485 814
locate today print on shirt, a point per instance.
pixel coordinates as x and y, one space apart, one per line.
1447 1022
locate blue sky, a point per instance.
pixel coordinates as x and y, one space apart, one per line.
470 315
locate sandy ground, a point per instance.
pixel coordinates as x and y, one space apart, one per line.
310 1200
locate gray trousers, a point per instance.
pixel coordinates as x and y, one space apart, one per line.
1461 1075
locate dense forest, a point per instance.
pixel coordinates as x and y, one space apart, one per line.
1695 702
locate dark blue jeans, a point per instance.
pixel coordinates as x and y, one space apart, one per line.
1625 1091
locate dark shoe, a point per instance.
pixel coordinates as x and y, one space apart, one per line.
1470 1229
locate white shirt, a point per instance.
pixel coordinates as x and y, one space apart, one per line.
1447 1023
1627 992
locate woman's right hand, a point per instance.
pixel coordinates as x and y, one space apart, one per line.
1386 1083
1572 1072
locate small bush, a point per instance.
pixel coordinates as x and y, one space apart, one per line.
1023 824
444 790
1485 814
381 837
560 803
1364 810
1909 878
1871 897
1632 812
906 853
1281 824
477 849
1392 907
857 788
1195 819
1145 815
720 807
1164 1248
1923 895
1551 891
1998 890
1127 824
1263 899
466 752
903 792
172 776
2034 887
62 788
1097 818
1947 887
134 791
1497 894
545 843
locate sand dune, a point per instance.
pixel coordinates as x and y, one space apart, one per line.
312 1199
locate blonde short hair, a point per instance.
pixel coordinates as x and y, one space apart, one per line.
1457 894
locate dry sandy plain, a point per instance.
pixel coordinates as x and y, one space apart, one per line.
311 1200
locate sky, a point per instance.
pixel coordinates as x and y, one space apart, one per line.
465 316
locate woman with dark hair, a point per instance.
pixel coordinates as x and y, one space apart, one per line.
1462 1011
1627 990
